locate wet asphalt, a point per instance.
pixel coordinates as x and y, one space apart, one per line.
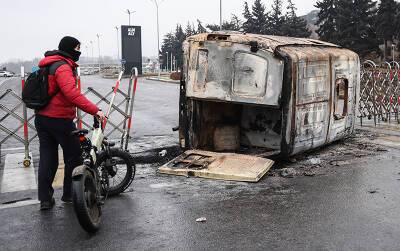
347 206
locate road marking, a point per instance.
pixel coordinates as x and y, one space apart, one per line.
19 204
15 177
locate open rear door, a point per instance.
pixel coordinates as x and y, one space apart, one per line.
212 165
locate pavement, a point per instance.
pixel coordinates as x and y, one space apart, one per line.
340 197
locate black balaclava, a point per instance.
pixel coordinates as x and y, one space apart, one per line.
68 45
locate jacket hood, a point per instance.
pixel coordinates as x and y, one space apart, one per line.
54 56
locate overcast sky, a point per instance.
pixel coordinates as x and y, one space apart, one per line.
28 28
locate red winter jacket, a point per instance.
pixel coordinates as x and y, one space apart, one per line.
63 84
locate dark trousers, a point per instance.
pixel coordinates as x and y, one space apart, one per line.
53 132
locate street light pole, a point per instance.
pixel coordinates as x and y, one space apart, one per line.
116 27
129 14
220 15
91 43
158 37
167 61
87 53
98 44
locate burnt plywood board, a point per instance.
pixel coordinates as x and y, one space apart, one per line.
212 165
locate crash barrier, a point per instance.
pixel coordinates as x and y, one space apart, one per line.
16 121
379 92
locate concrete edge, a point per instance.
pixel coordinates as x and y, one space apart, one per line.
163 80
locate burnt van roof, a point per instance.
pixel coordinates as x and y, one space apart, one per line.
264 41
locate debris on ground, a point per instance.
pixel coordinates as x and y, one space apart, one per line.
310 173
338 162
315 161
288 172
373 191
201 219
163 153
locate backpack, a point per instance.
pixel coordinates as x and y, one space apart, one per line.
36 89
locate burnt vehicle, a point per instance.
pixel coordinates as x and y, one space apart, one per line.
264 95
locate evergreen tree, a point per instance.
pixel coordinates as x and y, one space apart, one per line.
233 25
259 18
167 48
364 34
386 22
327 20
189 30
179 39
248 19
294 26
345 23
355 26
200 27
276 19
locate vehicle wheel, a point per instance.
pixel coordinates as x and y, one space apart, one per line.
86 205
121 170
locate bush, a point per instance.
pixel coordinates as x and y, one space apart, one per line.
175 76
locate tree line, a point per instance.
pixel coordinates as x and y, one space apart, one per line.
360 25
255 20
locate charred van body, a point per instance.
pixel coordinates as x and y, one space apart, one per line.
265 95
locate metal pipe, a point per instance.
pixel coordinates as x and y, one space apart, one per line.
113 98
128 100
78 86
131 109
27 159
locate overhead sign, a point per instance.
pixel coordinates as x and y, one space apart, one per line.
131 39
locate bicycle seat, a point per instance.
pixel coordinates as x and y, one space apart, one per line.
79 132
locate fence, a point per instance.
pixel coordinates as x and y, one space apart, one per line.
380 92
16 121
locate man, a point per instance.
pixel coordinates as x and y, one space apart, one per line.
54 123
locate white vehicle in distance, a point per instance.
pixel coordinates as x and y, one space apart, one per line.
6 74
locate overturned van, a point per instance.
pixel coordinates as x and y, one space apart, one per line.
264 95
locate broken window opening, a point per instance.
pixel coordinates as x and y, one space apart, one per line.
341 98
232 127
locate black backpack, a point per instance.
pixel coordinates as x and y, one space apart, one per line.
35 93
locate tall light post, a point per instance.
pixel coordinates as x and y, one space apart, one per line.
91 43
220 15
98 45
129 14
167 61
87 53
157 4
116 27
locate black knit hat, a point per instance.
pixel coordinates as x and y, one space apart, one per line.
68 44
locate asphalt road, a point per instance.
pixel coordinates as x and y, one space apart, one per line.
349 201
155 108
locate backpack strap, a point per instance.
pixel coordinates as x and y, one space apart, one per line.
53 68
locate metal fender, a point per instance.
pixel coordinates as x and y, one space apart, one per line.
79 170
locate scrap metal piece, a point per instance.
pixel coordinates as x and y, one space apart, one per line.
212 165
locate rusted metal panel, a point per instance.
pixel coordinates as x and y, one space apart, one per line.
230 72
226 166
285 94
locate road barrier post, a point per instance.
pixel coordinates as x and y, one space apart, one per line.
27 159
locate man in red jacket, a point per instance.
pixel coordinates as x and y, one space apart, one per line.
54 123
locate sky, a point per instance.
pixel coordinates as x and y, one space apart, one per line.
29 28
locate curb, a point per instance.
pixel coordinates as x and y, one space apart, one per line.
163 80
